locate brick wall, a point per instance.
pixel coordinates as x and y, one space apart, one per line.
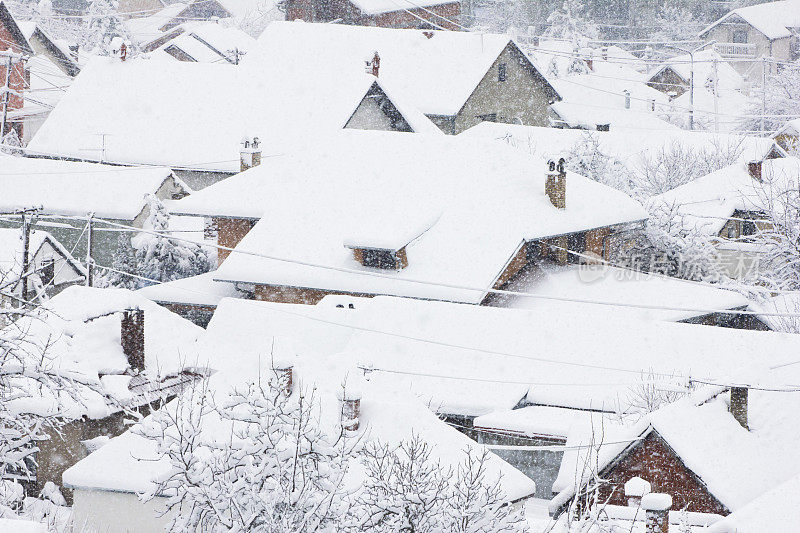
654 461
230 232
404 19
17 77
297 295
516 264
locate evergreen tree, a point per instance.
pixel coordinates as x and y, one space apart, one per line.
102 25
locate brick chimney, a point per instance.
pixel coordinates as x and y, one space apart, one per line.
285 376
738 405
635 489
374 65
555 185
132 338
250 153
656 507
351 406
754 169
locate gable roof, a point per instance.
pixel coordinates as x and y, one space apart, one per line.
706 203
21 42
436 71
11 252
728 78
209 42
473 360
194 115
451 195
74 188
736 465
773 19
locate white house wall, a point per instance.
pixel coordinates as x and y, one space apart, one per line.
117 512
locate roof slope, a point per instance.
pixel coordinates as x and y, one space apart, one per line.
194 115
773 19
478 198
72 188
436 70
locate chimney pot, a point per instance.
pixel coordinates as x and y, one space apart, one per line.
738 405
627 94
374 65
132 338
285 376
250 153
656 507
754 169
351 410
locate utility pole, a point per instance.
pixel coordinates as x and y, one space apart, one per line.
716 97
26 244
89 260
691 76
6 93
763 94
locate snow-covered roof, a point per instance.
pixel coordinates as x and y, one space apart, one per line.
532 421
774 511
707 202
610 284
194 290
144 29
80 328
704 70
774 19
74 188
454 196
436 70
194 115
588 116
239 348
474 360
375 7
208 42
11 251
628 145
729 103
736 465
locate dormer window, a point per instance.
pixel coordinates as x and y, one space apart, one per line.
381 258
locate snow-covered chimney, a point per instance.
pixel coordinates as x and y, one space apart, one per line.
555 185
754 169
635 489
604 52
132 338
350 395
656 507
119 48
285 377
374 65
627 94
603 127
738 405
283 355
250 153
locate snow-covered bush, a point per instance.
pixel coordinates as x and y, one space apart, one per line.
587 159
102 25
780 99
571 23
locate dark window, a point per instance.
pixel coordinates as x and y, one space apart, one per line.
48 271
740 36
379 259
491 117
501 72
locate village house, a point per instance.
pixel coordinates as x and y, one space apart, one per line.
278 106
788 136
475 366
690 450
205 42
53 191
746 35
731 206
107 484
674 76
39 63
457 79
47 269
122 351
401 14
345 241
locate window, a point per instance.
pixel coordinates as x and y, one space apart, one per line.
48 271
379 259
740 36
501 72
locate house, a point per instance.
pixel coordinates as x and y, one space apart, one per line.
50 266
206 42
746 34
59 190
788 136
714 456
122 351
730 207
399 14
344 240
38 77
107 483
674 76
498 379
194 298
192 117
457 79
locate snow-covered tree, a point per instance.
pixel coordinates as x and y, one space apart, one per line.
587 159
676 23
406 490
780 99
256 461
103 24
570 23
162 258
124 261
